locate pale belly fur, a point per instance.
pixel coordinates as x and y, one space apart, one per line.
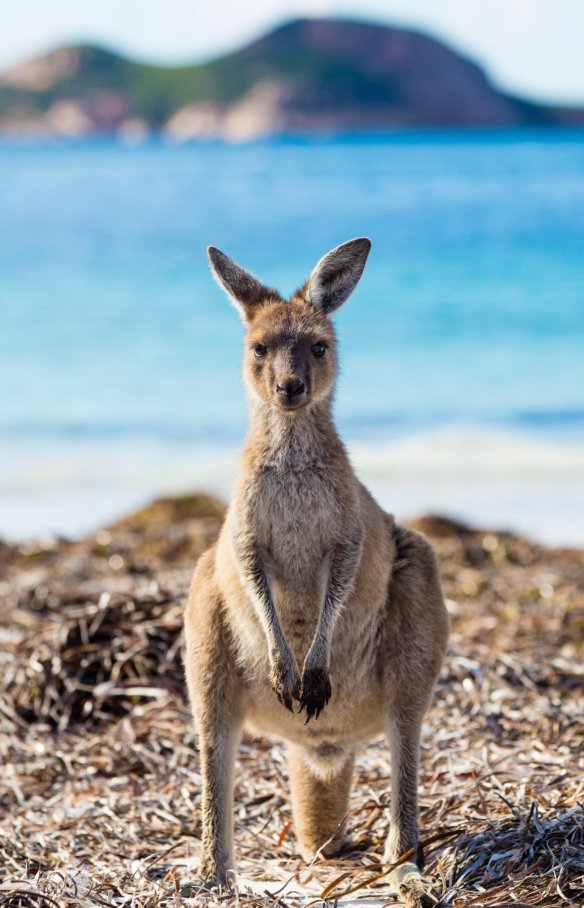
355 710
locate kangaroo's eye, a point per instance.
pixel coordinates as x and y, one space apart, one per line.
259 350
318 349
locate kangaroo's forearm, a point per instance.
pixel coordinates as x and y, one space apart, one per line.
284 676
259 591
343 567
257 587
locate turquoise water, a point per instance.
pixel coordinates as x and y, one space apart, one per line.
462 348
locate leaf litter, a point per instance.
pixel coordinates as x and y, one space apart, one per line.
100 787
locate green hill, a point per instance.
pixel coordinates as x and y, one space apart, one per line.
306 76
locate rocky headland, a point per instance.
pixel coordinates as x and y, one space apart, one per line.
309 76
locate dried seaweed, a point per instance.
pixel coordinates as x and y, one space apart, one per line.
100 786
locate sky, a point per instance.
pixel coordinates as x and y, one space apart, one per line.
530 47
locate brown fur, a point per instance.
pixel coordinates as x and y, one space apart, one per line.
312 596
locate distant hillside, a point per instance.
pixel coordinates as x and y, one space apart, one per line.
306 76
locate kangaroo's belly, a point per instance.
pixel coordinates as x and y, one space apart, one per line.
355 711
354 714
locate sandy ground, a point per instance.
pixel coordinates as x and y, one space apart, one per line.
100 785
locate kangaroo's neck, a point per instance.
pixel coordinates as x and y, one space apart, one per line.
297 440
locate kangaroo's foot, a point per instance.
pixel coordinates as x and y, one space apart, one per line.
285 682
412 886
199 886
210 877
316 691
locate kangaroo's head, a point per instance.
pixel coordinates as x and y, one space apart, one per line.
290 356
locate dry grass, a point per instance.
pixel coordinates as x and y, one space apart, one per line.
100 785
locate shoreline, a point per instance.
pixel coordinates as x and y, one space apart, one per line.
551 515
479 474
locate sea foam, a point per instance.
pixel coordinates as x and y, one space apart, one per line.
488 477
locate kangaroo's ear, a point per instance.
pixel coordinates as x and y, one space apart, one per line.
244 290
337 274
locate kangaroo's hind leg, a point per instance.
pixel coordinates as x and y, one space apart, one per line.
216 694
404 739
416 633
320 779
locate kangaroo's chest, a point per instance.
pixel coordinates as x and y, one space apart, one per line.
295 518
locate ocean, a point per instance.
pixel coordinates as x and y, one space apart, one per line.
462 349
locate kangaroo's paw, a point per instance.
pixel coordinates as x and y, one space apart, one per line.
315 692
285 683
413 887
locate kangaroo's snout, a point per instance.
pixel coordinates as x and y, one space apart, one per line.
290 390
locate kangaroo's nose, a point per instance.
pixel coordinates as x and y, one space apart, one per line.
291 388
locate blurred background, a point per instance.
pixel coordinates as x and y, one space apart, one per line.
132 136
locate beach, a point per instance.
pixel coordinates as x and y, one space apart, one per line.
392 197
460 398
101 784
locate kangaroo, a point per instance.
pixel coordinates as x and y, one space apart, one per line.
314 617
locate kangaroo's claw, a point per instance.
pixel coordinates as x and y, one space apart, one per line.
315 692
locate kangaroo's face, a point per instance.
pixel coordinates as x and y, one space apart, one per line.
290 356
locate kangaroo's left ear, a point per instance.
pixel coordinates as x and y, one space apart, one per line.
243 289
336 275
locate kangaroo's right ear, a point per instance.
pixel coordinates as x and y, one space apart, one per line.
336 275
243 289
